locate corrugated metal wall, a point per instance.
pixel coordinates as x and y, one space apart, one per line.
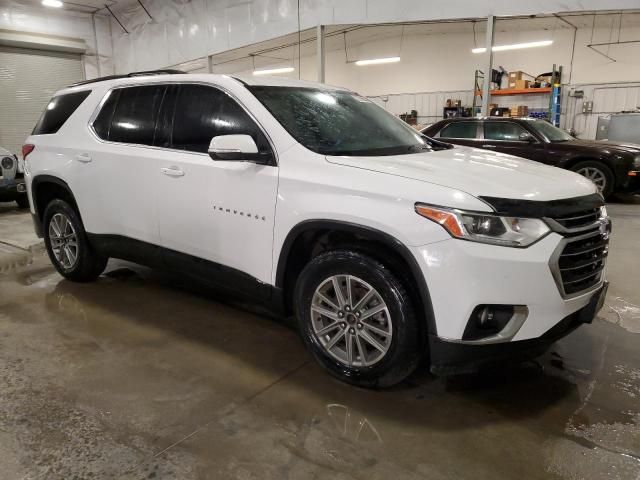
607 99
28 79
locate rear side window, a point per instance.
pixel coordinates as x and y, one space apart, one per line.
505 131
460 130
102 123
203 112
58 112
135 114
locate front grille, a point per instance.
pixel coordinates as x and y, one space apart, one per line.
579 219
582 261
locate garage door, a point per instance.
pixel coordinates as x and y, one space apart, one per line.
28 79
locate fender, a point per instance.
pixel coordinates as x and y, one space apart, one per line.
383 238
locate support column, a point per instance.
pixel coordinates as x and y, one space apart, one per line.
320 53
488 65
210 63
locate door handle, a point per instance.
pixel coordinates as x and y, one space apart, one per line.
83 157
488 146
172 171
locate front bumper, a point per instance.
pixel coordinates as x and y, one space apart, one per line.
454 358
461 275
10 191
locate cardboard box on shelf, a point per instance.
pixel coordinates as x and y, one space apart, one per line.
519 111
519 84
517 75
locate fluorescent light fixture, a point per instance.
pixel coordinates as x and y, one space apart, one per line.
377 61
272 71
52 3
515 46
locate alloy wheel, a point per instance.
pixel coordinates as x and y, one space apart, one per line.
596 175
64 241
351 321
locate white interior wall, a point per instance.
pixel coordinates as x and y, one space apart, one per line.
17 16
181 31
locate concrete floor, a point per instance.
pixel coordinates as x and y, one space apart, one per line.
130 377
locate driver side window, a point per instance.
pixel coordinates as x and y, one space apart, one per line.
504 131
203 112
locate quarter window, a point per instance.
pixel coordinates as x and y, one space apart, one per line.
505 131
460 130
204 112
58 111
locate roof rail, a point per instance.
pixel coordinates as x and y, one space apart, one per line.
129 75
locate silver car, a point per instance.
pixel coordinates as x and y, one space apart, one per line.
12 186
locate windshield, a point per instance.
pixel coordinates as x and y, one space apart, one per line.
339 123
553 134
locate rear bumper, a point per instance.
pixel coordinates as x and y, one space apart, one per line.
449 357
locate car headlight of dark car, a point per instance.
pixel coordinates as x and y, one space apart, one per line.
7 163
636 162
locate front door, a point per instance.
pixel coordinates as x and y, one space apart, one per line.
216 217
506 137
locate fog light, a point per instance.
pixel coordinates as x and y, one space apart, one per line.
487 320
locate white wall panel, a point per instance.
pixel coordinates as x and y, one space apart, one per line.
227 24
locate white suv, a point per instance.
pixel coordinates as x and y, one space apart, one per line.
385 244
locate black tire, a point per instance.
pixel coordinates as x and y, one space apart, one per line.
403 354
88 265
603 169
23 201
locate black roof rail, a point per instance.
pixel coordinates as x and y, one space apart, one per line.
129 75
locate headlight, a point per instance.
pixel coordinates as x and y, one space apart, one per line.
636 163
7 163
486 228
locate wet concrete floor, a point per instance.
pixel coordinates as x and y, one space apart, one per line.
130 377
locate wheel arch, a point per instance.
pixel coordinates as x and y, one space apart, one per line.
45 188
312 237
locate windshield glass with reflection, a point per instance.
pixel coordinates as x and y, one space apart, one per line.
553 134
334 122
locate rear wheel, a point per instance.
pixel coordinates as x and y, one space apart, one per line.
598 173
67 244
357 319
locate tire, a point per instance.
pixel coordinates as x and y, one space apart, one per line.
367 366
23 202
79 263
594 171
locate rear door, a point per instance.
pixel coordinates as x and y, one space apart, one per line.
221 212
466 132
121 168
505 137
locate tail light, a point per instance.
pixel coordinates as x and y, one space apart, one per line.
27 149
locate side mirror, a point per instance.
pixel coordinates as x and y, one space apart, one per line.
238 148
526 137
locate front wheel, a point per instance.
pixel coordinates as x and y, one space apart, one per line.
598 173
67 244
357 319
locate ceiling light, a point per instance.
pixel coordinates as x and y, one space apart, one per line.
52 3
272 71
377 61
515 46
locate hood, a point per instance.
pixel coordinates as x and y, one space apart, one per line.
479 173
603 145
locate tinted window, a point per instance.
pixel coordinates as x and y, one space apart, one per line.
460 130
102 123
58 111
134 118
202 113
334 122
506 131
